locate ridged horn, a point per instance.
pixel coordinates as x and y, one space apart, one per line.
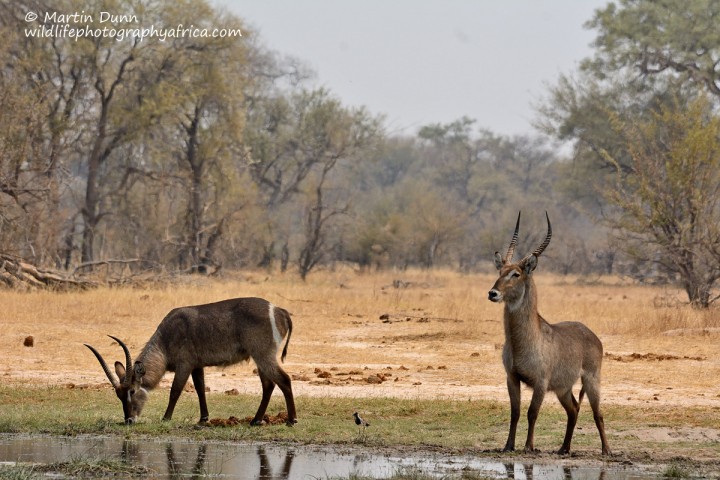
128 359
546 242
513 242
115 383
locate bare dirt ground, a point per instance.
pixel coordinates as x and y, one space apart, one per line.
426 335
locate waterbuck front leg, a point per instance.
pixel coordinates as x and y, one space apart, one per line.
182 373
532 415
572 408
198 376
513 384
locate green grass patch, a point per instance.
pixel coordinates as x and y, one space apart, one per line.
87 467
95 467
472 426
19 472
676 471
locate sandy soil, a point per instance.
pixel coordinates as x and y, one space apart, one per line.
435 336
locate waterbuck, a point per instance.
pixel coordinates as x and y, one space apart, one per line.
544 356
191 338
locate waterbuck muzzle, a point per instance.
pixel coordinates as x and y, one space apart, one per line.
128 384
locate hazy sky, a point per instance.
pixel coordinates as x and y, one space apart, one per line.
429 61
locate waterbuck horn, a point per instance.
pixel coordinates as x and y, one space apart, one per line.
513 242
546 242
115 383
128 359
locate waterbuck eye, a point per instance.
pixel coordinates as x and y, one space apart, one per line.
515 274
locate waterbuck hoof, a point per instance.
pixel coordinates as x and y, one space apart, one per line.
255 423
290 422
508 449
563 451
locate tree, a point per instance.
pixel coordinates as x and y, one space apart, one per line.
182 164
645 51
297 142
668 208
41 91
207 119
327 135
647 54
672 38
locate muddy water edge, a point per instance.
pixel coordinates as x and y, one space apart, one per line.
172 458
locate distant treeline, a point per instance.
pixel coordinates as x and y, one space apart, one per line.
196 153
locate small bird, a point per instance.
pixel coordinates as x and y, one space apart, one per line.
359 421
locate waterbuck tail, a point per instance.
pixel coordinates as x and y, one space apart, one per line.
287 341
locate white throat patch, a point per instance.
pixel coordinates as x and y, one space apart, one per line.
515 305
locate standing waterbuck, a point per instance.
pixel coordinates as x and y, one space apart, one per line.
544 356
191 338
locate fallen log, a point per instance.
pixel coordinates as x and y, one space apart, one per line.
20 275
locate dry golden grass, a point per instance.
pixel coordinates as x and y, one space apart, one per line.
439 335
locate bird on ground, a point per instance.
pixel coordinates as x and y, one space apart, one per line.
360 422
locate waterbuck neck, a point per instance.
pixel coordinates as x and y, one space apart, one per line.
153 358
522 321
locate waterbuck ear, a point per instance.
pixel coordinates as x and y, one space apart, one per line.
120 370
530 264
498 260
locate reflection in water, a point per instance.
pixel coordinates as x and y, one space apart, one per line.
266 472
547 471
175 469
128 452
185 459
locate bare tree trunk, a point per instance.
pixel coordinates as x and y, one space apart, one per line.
311 252
90 209
698 292
284 257
208 257
195 211
103 146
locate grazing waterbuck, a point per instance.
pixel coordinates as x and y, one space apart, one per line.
544 356
189 339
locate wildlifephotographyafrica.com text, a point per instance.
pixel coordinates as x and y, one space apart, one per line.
77 25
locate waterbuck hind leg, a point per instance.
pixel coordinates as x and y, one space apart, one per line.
513 385
592 389
285 385
181 378
572 408
198 376
270 377
267 387
600 423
